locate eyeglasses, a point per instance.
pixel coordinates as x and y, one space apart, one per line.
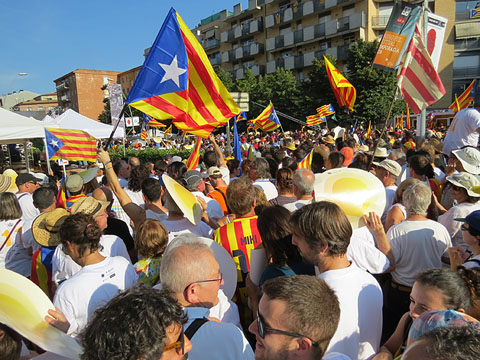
470 230
204 281
263 329
179 344
456 188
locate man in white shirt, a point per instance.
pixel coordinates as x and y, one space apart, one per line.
282 328
122 169
27 184
463 131
260 175
322 234
387 172
194 182
191 272
303 186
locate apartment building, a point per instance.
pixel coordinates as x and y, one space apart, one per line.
41 103
81 90
290 34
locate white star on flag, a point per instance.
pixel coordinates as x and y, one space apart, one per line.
54 143
172 72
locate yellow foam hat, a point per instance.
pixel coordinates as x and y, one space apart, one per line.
356 191
23 307
185 200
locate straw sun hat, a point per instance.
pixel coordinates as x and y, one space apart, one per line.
46 227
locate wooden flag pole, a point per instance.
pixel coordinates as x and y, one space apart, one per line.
115 128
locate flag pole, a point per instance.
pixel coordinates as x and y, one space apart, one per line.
47 156
115 128
384 127
423 115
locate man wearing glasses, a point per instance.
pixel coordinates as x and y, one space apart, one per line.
192 274
140 323
27 184
297 316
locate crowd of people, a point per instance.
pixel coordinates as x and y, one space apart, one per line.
132 276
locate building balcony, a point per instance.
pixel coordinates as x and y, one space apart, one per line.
211 43
347 23
298 37
62 86
255 69
274 64
215 60
294 62
247 50
239 31
467 44
284 16
228 56
466 72
379 22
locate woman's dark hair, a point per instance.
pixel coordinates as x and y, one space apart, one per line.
455 289
9 207
274 227
289 162
336 159
137 176
421 165
82 230
360 161
176 170
233 164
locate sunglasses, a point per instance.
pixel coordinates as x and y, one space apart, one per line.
456 188
263 329
179 344
471 231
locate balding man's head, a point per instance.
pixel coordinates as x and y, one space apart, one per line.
103 194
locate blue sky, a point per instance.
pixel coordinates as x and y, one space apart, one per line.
47 39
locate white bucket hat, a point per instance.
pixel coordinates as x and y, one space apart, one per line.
466 181
470 159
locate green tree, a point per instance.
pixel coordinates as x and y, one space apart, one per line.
227 79
375 87
105 116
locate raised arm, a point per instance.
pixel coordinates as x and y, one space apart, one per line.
374 224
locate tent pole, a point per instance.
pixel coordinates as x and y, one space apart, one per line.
25 152
47 157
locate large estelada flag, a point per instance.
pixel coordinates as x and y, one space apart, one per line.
69 144
465 99
316 119
344 91
418 80
306 162
267 120
178 82
325 110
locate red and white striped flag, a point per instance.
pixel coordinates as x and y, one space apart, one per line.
418 80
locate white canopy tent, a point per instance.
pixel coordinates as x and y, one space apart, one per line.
70 119
16 129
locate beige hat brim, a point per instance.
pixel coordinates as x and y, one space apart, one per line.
470 192
43 236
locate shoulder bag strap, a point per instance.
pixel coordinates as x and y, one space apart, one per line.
194 326
9 234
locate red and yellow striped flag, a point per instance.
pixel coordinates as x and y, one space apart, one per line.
409 124
69 144
344 91
315 120
369 130
177 81
306 162
194 158
463 100
144 134
168 130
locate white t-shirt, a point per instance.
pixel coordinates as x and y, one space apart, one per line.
214 340
13 255
182 226
214 210
225 174
293 206
361 300
453 226
150 214
462 131
135 196
472 264
226 310
439 174
362 251
26 204
63 267
120 213
390 193
268 188
91 288
417 246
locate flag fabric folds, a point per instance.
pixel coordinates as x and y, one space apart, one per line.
178 82
156 124
344 91
70 144
144 134
315 120
369 131
250 153
267 120
306 162
465 99
194 158
61 199
168 130
325 110
237 151
408 121
242 116
418 80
